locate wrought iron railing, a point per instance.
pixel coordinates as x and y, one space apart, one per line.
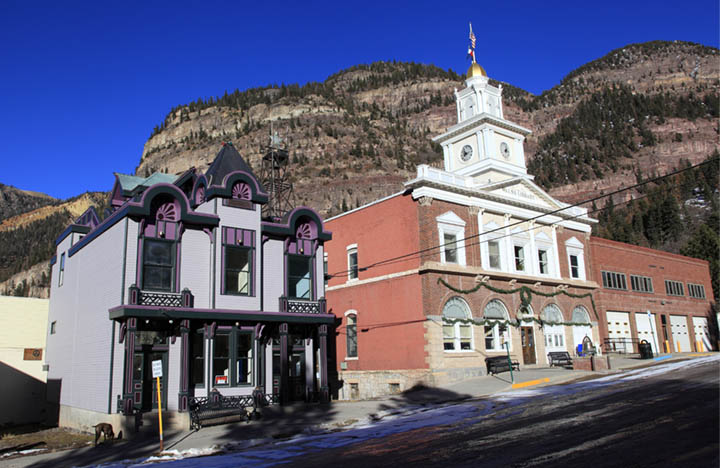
137 296
302 306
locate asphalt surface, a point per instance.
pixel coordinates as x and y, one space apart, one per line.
665 420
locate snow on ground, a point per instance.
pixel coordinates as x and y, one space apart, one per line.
392 422
23 452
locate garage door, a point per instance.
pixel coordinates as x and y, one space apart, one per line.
619 332
680 335
702 333
647 329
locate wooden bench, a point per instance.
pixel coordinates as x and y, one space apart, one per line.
559 358
498 364
219 409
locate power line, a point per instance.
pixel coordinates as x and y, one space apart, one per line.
559 210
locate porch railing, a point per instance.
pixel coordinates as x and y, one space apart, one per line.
136 296
302 306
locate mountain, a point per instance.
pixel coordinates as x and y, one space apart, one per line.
27 241
639 111
361 132
14 201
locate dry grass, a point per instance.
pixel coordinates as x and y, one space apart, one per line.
36 437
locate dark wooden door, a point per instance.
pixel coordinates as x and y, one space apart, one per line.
528 345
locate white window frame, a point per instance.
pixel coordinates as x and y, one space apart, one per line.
543 242
353 249
576 248
551 333
457 337
496 235
61 270
452 224
357 347
507 336
523 246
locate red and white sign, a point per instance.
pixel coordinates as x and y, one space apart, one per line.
221 380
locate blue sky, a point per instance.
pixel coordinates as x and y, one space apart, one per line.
84 83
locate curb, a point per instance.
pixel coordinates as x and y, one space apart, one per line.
531 383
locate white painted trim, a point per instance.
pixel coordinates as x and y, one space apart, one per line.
373 280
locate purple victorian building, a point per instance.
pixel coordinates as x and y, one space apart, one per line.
186 271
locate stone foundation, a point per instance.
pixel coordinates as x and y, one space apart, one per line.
363 385
84 420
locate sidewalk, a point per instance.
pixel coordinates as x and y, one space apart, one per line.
284 422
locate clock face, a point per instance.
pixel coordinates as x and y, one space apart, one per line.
466 153
505 150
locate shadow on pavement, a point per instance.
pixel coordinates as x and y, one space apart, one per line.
140 446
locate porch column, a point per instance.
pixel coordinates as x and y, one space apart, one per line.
128 390
284 381
183 393
324 389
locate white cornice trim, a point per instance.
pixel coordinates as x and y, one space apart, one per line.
499 205
438 267
476 121
372 280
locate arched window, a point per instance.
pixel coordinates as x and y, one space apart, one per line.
351 330
457 336
554 333
580 315
496 335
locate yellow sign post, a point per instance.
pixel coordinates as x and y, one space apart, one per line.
157 373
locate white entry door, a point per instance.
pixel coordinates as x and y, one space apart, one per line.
647 329
702 333
619 332
681 337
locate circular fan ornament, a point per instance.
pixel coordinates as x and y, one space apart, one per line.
241 191
304 231
166 212
200 195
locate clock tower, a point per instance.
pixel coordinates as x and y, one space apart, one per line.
483 145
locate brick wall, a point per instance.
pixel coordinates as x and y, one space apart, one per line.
633 260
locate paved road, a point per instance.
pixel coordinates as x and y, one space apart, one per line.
670 419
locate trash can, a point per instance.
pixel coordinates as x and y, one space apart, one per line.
645 349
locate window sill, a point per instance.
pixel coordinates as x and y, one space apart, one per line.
351 359
459 352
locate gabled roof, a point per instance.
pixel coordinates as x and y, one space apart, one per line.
228 160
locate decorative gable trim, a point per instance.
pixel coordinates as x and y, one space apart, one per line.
573 242
257 194
450 218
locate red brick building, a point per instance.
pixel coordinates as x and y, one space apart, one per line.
466 262
650 295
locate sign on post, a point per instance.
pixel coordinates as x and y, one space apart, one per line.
157 373
157 368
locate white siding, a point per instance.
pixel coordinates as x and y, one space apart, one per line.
132 259
245 219
79 353
195 266
319 274
274 272
173 377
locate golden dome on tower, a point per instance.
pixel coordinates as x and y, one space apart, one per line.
476 70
